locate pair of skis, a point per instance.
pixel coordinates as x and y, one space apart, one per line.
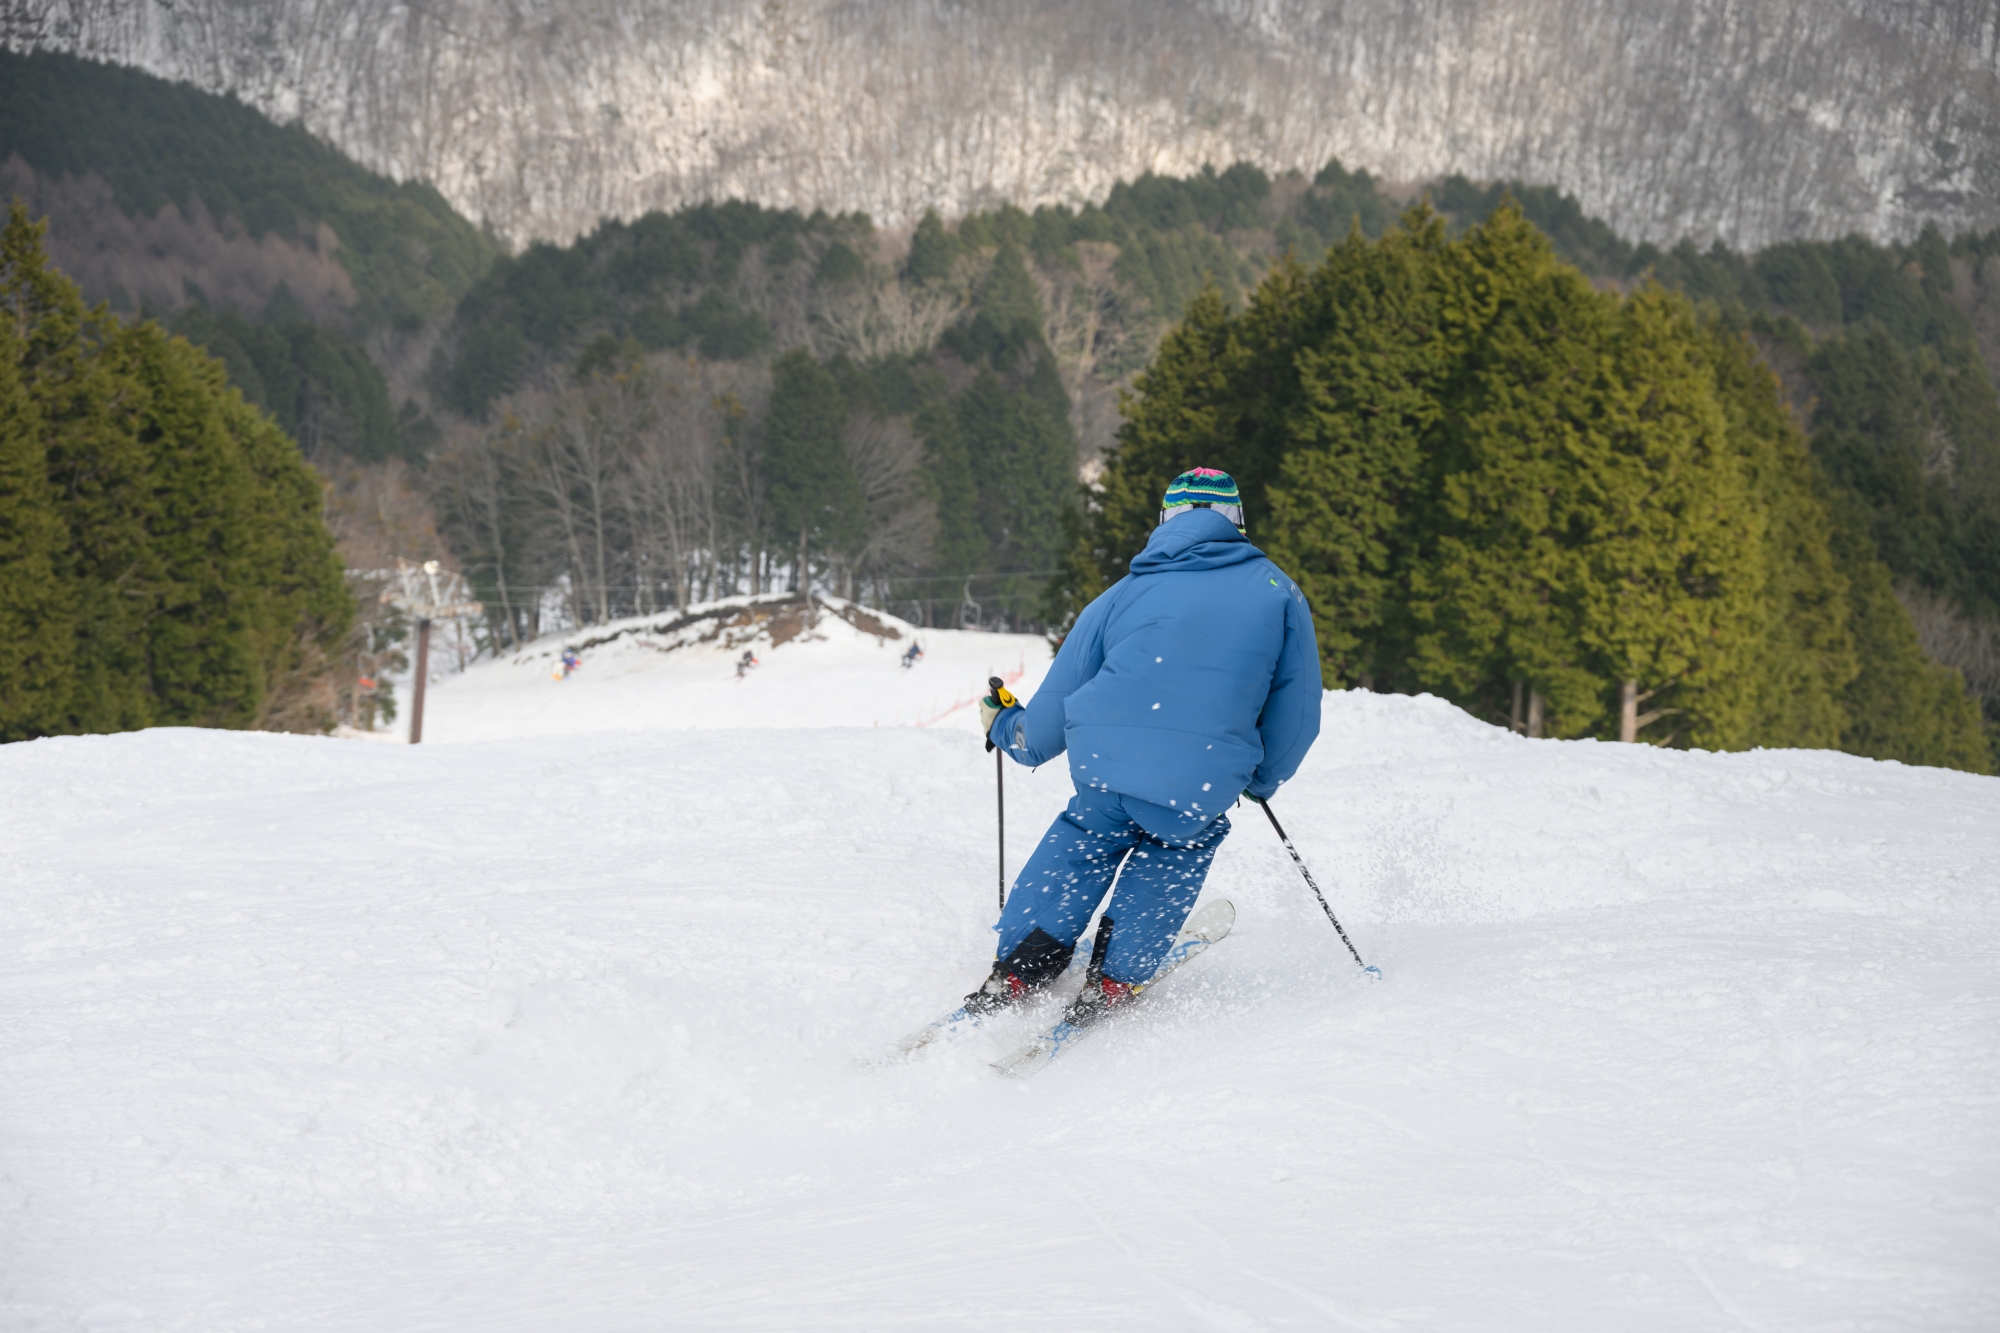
1209 924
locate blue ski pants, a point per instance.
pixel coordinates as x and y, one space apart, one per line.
1066 878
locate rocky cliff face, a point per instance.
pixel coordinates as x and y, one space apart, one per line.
1744 120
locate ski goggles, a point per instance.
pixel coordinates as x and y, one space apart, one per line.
1232 512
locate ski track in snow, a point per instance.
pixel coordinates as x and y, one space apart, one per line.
589 1032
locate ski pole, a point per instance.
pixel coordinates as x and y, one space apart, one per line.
1000 794
1300 862
1007 700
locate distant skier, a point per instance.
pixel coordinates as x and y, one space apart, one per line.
745 663
571 660
914 656
1192 679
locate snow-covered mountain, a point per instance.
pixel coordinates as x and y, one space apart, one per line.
591 1030
1748 120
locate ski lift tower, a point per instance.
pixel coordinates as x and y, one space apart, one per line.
968 610
416 590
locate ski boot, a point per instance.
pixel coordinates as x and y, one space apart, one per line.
1018 977
1100 994
1000 990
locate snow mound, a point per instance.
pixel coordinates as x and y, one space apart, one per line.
767 621
590 1032
821 662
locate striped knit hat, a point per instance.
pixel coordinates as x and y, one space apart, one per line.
1203 488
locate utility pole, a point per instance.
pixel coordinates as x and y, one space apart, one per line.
421 598
423 675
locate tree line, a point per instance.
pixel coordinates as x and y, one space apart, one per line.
1568 510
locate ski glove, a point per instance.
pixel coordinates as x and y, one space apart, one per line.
997 698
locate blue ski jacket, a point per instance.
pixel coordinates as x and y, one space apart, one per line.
1193 678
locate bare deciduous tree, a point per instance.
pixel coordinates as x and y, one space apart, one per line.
1751 121
887 460
876 316
1098 340
577 453
1951 637
643 490
670 499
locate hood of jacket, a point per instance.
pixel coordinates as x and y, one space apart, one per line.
1203 539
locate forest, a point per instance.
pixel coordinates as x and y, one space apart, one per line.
931 396
1571 511
198 211
941 418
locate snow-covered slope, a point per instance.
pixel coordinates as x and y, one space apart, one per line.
587 1033
834 664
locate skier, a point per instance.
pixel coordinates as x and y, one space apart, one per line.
914 656
1192 679
745 663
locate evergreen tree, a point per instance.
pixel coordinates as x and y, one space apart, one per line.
1177 416
815 501
961 541
37 629
1899 705
1284 315
1364 416
1023 461
75 369
1804 656
302 608
1504 584
932 250
317 382
1870 425
206 544
1675 537
1009 323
